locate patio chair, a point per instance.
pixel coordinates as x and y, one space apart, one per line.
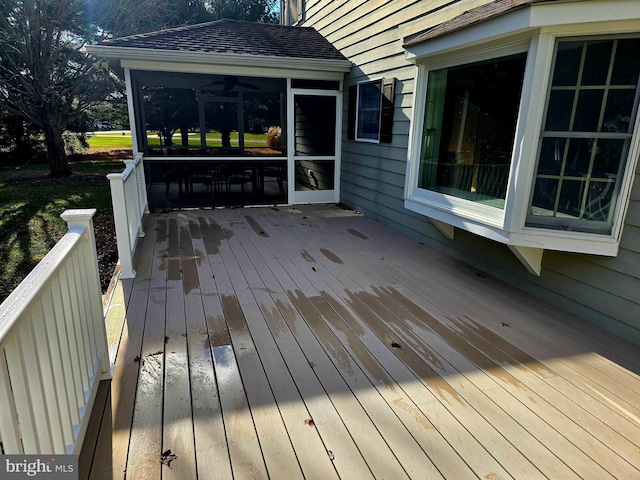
238 174
175 172
205 174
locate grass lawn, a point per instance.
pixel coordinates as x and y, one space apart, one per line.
30 208
120 139
108 140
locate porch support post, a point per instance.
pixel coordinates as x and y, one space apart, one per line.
121 219
131 110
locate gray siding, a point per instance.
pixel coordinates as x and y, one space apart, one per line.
605 291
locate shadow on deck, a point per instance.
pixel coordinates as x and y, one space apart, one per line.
314 343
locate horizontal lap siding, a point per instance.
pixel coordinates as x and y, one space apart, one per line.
370 33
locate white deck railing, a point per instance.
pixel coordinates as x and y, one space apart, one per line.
53 347
129 199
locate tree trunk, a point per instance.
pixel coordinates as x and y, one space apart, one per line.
58 162
225 135
184 132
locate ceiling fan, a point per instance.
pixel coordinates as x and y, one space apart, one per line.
229 82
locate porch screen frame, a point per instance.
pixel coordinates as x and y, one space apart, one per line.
313 196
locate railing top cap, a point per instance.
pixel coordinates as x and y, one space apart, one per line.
78 214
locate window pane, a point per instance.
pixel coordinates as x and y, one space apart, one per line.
369 95
552 156
596 65
578 157
617 113
588 111
559 110
599 201
544 196
368 124
568 63
627 63
608 157
571 192
469 127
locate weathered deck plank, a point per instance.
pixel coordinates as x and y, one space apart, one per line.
308 446
461 394
112 446
208 426
580 446
409 363
146 431
177 414
283 320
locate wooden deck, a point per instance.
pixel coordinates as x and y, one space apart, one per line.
314 343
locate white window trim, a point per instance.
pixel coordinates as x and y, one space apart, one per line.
359 84
534 29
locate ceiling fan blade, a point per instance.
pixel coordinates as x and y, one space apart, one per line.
250 86
213 84
229 82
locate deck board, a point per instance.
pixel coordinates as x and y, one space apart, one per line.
312 342
146 430
504 452
208 425
302 355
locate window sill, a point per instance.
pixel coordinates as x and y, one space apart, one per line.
527 243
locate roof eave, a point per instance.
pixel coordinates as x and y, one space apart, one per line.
208 58
522 19
495 27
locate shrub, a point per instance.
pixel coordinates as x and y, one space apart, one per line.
274 135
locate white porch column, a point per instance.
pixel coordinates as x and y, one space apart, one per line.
131 110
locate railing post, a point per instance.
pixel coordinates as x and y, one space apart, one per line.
137 207
141 191
84 218
141 182
121 219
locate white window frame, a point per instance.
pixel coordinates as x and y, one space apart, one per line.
570 222
357 130
536 30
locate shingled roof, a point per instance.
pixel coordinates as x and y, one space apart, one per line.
234 37
471 17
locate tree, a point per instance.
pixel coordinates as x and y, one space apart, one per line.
18 138
169 110
45 75
248 10
120 18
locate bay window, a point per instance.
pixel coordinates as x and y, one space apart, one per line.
530 139
587 131
469 127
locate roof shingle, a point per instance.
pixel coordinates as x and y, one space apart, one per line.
471 17
236 38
